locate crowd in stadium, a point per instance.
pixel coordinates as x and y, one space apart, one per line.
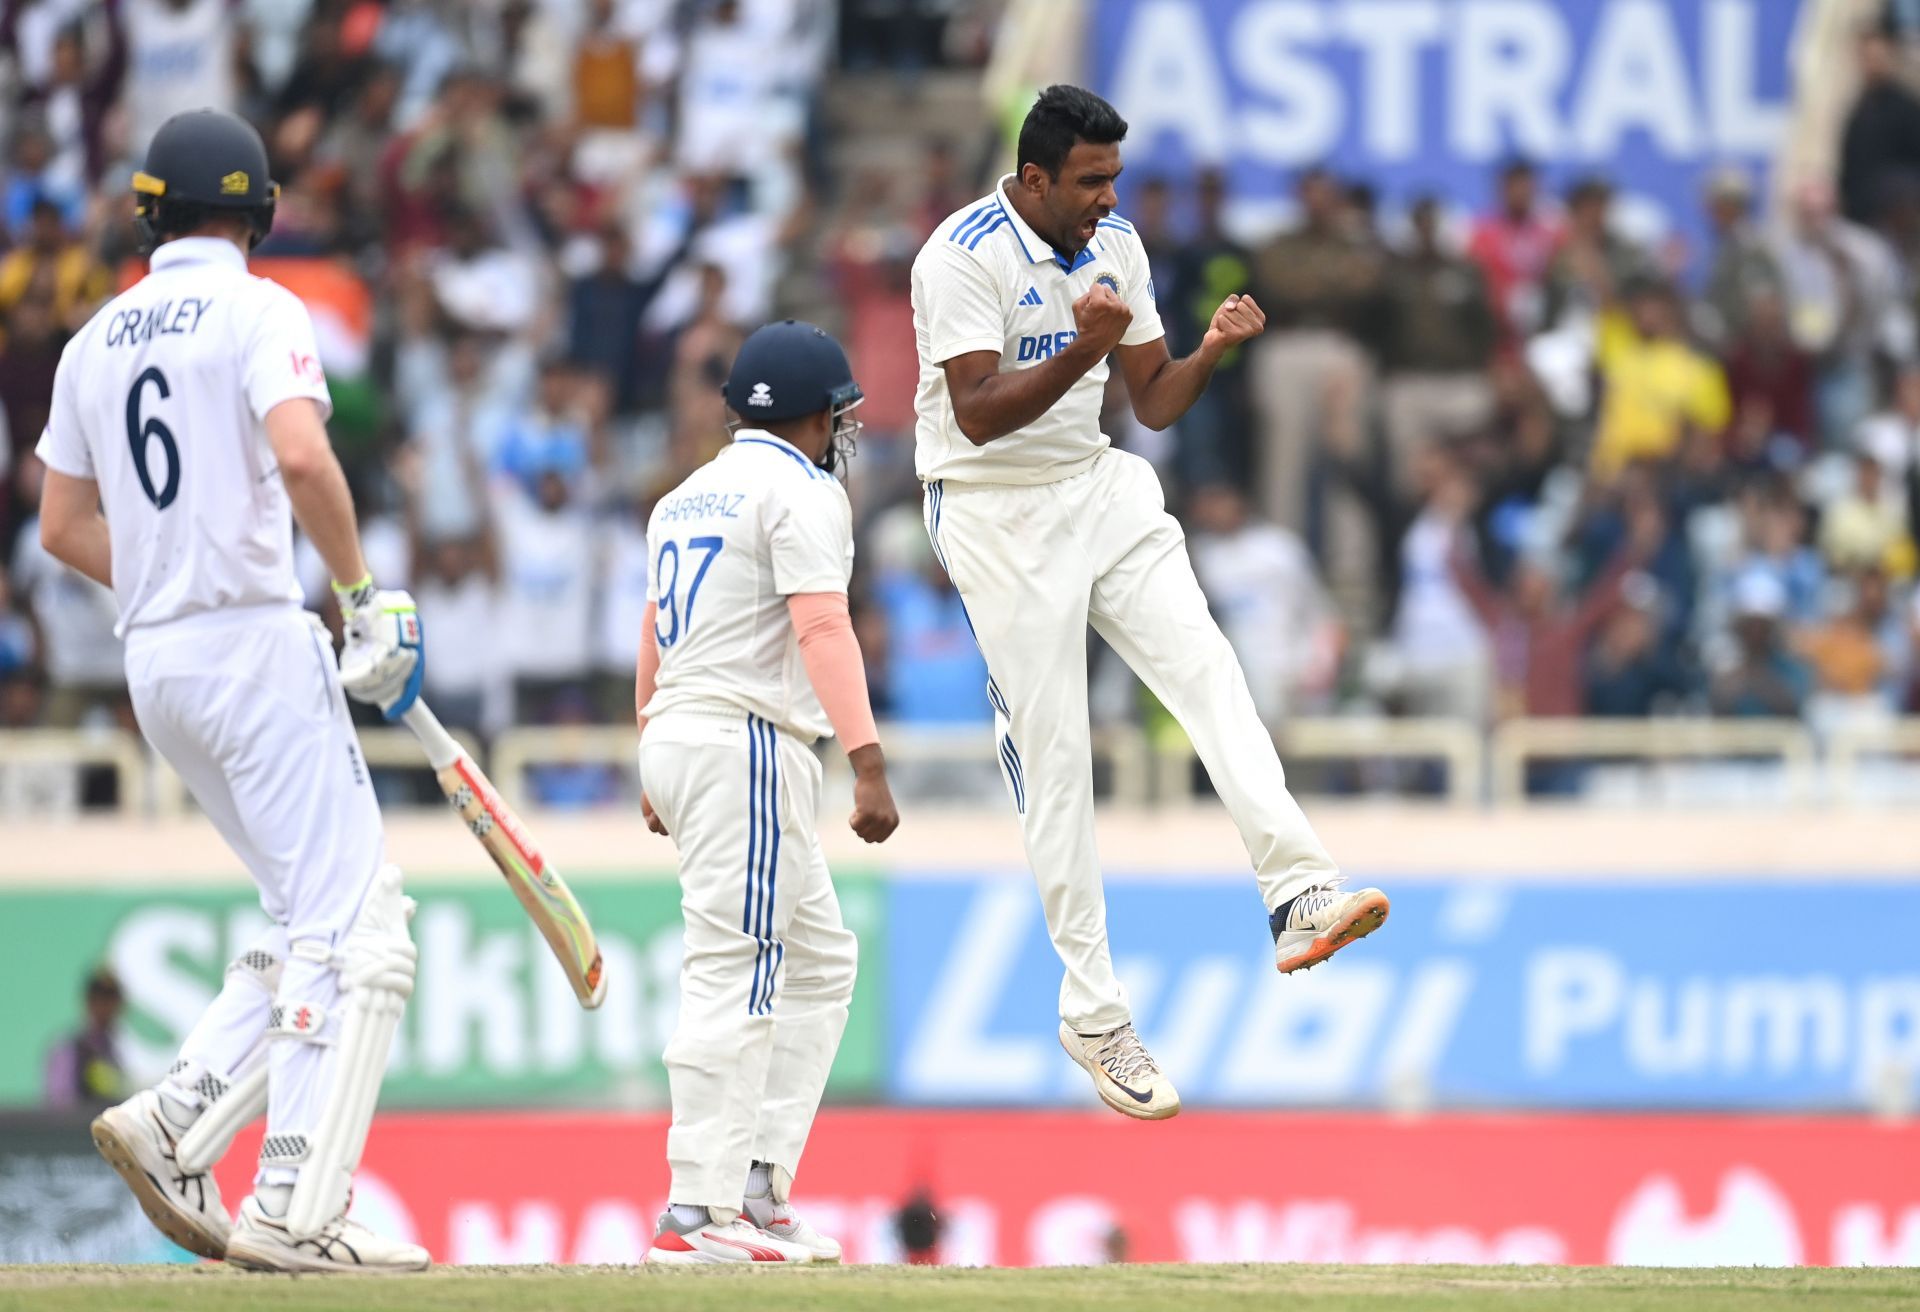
1497 454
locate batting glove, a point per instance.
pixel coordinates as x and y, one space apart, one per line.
383 662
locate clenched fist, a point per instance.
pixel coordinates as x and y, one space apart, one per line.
1101 316
1237 320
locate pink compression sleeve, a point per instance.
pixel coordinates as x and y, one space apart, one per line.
834 668
646 670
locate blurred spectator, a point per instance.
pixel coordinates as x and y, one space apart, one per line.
1845 289
19 644
1656 389
76 98
1630 670
1882 135
479 283
1439 646
1593 264
1764 677
701 358
1216 434
29 359
933 671
608 91
75 617
1742 268
1513 246
622 592
1857 658
50 262
1540 633
1771 380
83 1070
1440 341
1115 1246
181 55
1266 594
32 178
548 575
1865 527
1319 284
460 414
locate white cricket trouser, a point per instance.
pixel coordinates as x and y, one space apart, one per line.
768 970
246 705
1033 566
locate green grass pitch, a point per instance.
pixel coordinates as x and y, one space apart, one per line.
1060 1289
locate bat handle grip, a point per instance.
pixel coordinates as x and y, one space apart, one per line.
442 750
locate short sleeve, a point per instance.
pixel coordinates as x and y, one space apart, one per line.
810 537
1146 326
282 357
959 300
63 446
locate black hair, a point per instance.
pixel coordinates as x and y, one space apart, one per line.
1061 116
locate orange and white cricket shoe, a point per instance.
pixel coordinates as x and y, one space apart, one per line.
710 1243
1319 922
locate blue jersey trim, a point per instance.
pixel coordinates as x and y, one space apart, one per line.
960 229
812 469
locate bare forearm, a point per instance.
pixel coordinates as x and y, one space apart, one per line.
85 545
1004 403
1172 391
323 507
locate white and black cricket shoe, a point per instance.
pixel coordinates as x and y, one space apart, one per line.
1124 1073
262 1243
139 1143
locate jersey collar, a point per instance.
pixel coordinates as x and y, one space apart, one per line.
761 437
197 250
1032 244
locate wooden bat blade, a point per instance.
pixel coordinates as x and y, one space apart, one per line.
545 896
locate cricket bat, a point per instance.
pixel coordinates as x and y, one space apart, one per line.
541 891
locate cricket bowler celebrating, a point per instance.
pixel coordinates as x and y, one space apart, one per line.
188 419
748 657
1018 299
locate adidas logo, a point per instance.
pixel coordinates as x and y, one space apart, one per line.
1032 297
760 395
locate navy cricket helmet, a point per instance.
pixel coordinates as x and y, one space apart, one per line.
789 370
202 160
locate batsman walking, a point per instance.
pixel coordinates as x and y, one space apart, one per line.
187 434
1018 299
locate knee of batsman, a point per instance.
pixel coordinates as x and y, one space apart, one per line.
262 964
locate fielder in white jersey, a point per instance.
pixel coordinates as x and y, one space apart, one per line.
1018 299
187 434
748 657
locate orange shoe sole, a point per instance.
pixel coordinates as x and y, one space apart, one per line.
1360 922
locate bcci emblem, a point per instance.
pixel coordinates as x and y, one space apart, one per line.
760 395
1110 281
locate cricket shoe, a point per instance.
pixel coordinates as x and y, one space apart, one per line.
139 1142
780 1221
1319 922
263 1243
708 1242
1124 1072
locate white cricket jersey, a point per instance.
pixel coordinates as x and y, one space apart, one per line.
160 398
753 526
985 281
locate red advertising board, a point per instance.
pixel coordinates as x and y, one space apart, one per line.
1022 1188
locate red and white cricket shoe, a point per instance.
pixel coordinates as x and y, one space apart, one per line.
710 1242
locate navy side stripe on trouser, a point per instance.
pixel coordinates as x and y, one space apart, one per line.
763 861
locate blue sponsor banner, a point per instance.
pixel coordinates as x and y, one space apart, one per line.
1431 95
1644 995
